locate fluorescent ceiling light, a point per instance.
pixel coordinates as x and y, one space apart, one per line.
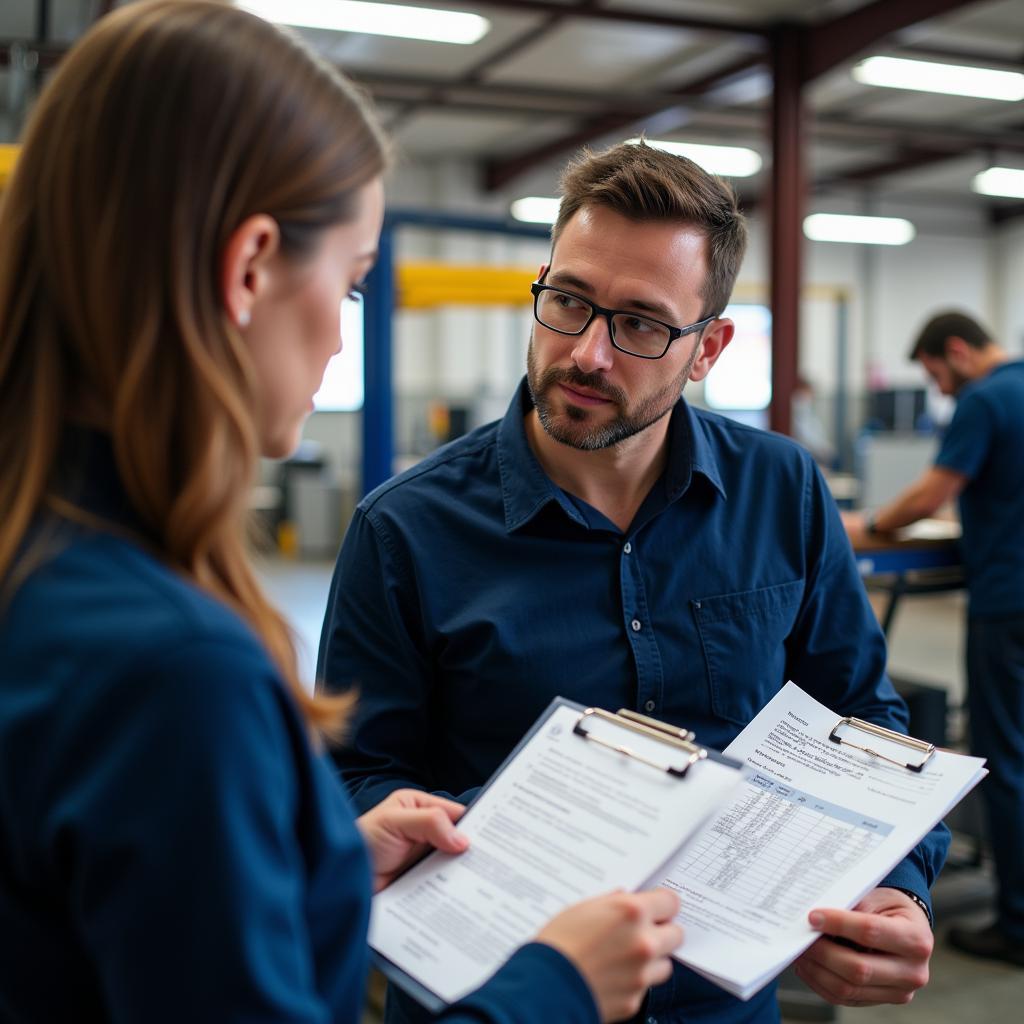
536 209
951 79
841 227
375 19
732 161
1000 181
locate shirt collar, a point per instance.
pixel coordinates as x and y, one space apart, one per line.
526 488
690 451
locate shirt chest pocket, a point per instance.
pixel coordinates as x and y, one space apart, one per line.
743 637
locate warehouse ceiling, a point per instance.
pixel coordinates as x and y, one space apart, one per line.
551 75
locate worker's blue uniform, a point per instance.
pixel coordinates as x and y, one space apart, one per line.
172 849
985 442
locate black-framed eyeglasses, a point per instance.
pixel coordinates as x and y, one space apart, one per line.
641 336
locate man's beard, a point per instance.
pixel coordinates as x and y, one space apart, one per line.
573 429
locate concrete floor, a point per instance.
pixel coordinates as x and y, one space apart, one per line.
926 645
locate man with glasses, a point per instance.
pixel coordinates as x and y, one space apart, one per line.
607 543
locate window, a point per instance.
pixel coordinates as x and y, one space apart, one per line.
742 377
342 388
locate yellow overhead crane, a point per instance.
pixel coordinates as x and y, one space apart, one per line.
8 154
429 285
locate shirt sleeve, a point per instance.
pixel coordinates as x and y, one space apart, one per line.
968 437
537 984
187 883
374 640
837 653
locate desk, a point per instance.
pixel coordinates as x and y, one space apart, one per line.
920 559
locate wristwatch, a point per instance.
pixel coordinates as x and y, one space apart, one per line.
914 898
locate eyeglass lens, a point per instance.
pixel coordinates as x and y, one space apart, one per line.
566 313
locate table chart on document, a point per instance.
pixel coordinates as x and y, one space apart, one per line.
776 849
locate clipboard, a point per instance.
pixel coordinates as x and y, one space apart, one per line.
878 732
681 753
842 802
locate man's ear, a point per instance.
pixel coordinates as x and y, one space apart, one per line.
247 264
543 270
959 355
716 336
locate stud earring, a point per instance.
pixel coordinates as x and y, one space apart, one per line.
244 316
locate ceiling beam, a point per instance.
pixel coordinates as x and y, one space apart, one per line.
960 55
493 59
499 172
833 42
635 16
840 130
1003 214
528 98
923 136
475 72
635 104
907 160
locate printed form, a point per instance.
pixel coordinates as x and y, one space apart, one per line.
565 819
817 824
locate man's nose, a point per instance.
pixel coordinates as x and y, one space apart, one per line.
594 350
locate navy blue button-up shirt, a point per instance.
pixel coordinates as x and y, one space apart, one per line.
984 443
171 847
471 590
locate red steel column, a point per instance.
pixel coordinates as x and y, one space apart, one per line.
787 191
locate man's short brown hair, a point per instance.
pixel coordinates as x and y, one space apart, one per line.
646 184
932 338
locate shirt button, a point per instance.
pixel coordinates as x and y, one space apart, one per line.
652 1020
627 548
650 706
635 625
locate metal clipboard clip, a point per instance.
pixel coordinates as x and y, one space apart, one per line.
927 749
681 739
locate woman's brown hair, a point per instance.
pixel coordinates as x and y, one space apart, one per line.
165 127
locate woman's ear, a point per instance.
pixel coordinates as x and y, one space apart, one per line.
247 264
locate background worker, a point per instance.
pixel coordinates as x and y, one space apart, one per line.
607 543
981 462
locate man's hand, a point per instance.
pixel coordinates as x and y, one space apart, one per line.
856 526
405 824
853 521
886 943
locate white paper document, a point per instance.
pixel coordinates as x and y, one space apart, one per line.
817 824
565 819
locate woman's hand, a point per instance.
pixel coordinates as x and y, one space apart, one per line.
405 824
620 943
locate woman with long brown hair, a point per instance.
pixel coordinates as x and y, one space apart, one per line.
195 195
